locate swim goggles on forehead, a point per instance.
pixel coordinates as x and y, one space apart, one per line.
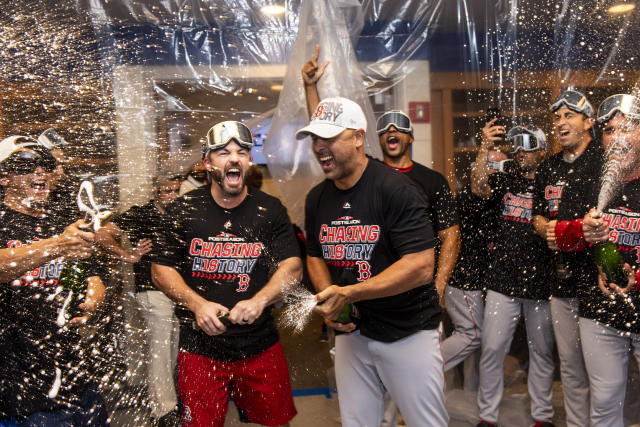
573 100
26 160
221 134
397 119
627 105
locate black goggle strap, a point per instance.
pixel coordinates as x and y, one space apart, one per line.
222 133
627 105
396 119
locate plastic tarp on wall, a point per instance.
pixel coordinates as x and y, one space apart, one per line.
134 85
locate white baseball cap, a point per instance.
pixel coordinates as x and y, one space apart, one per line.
14 143
332 116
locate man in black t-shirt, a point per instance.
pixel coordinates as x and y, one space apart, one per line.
142 225
370 244
564 183
42 380
227 253
609 325
518 277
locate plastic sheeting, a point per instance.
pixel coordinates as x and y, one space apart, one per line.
133 85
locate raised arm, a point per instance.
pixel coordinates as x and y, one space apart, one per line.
480 173
311 73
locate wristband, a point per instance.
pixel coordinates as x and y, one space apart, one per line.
569 237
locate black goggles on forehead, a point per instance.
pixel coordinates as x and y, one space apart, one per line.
396 119
222 133
573 100
627 105
526 142
26 160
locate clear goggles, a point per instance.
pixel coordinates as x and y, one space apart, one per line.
500 166
573 100
51 139
526 142
221 134
26 160
627 105
397 119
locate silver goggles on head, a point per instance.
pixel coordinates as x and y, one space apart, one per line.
627 105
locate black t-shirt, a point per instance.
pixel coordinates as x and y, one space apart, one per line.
360 232
32 344
623 216
226 255
564 193
442 208
472 262
142 222
520 263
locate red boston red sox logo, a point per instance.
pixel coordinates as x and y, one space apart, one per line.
243 283
364 270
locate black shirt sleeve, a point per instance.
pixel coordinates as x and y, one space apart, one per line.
313 246
171 241
407 220
444 208
284 243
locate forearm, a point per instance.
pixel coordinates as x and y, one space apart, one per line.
409 272
448 255
169 281
106 238
480 175
540 225
95 291
318 273
14 262
312 97
287 276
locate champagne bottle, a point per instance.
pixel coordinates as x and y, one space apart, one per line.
609 259
345 314
74 277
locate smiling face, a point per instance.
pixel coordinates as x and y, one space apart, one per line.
337 155
395 144
621 140
528 161
229 167
27 191
572 129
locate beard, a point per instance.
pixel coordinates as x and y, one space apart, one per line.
218 176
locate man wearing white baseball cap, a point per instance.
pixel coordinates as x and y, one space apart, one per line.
368 248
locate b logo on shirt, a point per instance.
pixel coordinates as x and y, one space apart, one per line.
364 270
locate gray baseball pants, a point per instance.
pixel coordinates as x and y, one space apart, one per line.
466 310
575 383
501 316
410 369
606 355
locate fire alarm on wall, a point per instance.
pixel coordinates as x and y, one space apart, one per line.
419 112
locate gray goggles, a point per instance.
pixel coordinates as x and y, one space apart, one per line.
627 105
573 100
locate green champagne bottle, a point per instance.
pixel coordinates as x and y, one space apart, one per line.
345 314
74 277
610 260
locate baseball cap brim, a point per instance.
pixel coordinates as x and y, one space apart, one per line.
322 130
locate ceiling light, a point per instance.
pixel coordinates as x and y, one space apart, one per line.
272 9
276 87
620 8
